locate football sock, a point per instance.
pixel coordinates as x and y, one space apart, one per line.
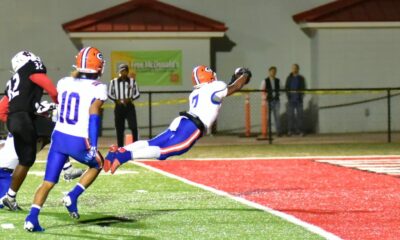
35 210
11 194
149 152
77 191
67 166
137 145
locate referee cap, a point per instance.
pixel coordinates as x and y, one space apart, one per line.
123 67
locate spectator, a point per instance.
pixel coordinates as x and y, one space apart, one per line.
295 83
271 85
123 90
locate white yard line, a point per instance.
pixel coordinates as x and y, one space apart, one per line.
122 172
293 158
285 216
321 158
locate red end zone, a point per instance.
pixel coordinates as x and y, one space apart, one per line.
350 203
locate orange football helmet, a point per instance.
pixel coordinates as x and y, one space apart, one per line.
90 60
202 75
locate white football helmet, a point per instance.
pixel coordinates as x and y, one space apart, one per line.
21 58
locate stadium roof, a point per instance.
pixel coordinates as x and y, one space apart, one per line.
147 17
352 13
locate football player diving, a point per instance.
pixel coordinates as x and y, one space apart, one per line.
204 104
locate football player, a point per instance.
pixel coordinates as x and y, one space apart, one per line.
8 156
75 134
205 102
23 91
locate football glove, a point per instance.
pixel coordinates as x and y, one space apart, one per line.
244 71
44 107
91 154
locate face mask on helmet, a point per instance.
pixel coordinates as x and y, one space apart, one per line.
202 75
90 61
22 58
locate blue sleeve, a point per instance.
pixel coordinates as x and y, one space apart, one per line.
94 127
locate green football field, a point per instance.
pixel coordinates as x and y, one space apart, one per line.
141 204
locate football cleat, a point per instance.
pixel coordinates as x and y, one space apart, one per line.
32 225
72 173
11 204
72 206
121 156
109 159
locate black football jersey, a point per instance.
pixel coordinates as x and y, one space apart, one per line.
21 91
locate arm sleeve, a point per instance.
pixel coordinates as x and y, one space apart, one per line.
94 127
101 92
4 109
278 88
111 90
220 92
44 82
136 93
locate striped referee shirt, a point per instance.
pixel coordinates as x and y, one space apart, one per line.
123 89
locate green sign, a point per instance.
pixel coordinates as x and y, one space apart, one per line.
150 68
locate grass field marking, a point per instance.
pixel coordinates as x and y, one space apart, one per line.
7 226
386 166
292 219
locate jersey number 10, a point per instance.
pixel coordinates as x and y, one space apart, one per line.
71 103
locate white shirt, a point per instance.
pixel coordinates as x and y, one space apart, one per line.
75 96
205 101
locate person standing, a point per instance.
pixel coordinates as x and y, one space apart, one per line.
123 91
75 134
295 83
271 85
23 92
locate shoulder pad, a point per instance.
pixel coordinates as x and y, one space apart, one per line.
32 67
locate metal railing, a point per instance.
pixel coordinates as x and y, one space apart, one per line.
152 97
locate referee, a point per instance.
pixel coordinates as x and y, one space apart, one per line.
123 90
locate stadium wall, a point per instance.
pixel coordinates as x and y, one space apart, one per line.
348 58
262 33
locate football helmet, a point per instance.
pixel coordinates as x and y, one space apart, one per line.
202 75
21 58
89 60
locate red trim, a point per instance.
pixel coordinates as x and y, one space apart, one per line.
182 145
144 16
352 11
4 109
44 82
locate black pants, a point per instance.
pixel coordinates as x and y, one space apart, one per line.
122 112
21 126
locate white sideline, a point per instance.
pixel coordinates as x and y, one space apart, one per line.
355 157
290 158
287 217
